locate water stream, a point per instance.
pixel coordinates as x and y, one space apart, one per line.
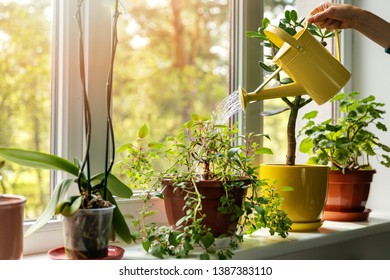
227 108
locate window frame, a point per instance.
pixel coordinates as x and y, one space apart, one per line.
67 129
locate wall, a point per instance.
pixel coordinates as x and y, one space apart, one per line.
370 67
371 73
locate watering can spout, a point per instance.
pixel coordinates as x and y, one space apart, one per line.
292 89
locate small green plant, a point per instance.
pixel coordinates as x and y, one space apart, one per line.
291 23
348 143
202 150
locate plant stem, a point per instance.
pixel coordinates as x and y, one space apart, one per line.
109 128
87 112
291 140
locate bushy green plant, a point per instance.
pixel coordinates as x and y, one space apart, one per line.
291 23
349 142
202 150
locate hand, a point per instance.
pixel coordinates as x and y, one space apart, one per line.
334 16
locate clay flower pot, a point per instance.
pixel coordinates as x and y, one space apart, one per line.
348 194
212 191
11 226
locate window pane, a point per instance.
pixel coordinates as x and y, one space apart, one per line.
276 126
172 61
25 40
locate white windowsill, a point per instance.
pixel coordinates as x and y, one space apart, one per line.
334 240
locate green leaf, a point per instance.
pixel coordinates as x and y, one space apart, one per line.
38 160
264 150
253 34
143 131
306 146
117 187
150 213
59 192
119 224
146 245
233 151
173 237
310 115
207 240
294 15
156 251
381 126
285 81
287 14
265 22
287 189
266 67
155 145
70 206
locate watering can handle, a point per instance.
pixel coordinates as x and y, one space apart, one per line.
278 36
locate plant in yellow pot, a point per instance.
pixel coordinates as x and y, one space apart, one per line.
347 145
308 183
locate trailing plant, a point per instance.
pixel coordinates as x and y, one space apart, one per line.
95 191
291 23
347 143
202 150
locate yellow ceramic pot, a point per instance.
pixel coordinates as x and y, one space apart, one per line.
306 203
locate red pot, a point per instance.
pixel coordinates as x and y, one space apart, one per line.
212 191
11 226
348 192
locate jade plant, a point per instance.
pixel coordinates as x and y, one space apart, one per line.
94 191
291 23
347 143
202 150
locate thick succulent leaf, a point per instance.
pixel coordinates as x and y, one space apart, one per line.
58 195
38 160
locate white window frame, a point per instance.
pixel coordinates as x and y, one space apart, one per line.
67 127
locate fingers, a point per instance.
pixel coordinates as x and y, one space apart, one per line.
330 24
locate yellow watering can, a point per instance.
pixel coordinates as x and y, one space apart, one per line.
307 62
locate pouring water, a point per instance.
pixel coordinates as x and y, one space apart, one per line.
227 108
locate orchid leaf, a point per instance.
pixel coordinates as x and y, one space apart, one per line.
38 160
117 187
58 195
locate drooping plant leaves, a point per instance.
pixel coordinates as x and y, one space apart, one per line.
58 195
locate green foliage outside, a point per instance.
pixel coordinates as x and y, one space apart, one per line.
25 43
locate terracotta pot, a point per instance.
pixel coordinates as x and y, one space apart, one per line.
212 191
348 192
87 233
304 205
11 226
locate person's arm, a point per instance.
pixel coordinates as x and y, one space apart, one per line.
340 16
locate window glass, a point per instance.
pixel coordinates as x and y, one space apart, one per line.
25 53
276 126
172 61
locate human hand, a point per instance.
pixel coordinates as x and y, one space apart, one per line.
333 16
